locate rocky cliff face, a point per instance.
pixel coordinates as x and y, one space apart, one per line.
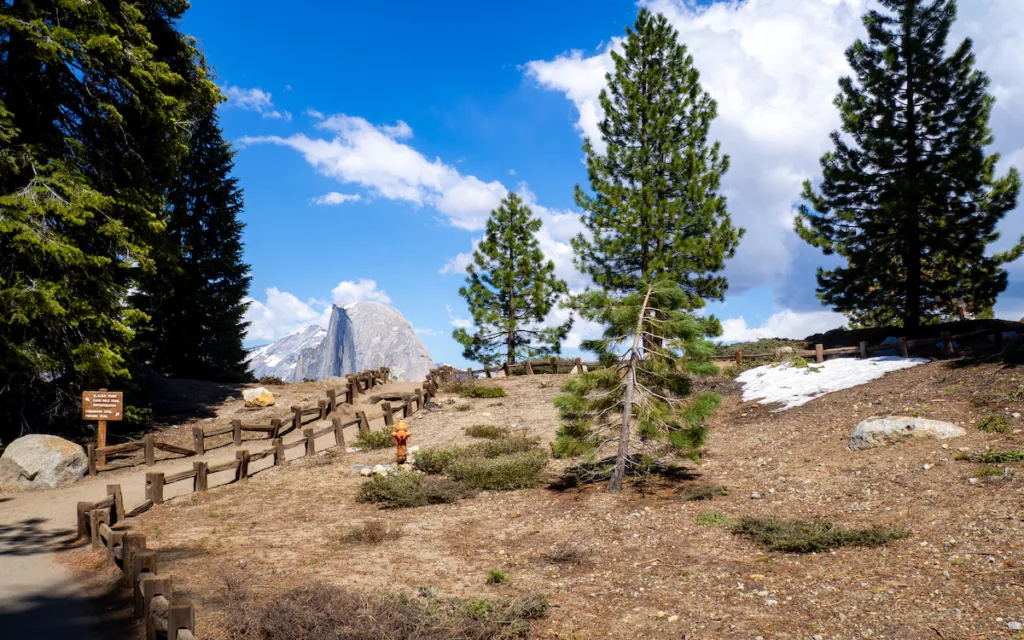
361 336
279 358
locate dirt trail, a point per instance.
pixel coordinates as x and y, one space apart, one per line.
38 596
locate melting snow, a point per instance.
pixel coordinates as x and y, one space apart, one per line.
793 386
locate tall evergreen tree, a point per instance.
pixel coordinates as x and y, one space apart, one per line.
909 199
510 289
640 407
656 209
194 299
90 113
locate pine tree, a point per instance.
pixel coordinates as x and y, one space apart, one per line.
656 209
90 113
195 297
510 290
909 200
637 406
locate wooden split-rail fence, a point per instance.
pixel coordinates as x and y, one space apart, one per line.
149 445
525 368
104 523
902 346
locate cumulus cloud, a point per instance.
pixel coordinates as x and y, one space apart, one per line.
773 67
349 291
456 321
785 324
254 99
281 314
374 157
335 198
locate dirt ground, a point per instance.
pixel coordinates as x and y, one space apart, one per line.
646 568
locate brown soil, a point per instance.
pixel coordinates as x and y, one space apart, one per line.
647 569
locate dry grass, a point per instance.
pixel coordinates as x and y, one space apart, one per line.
371 532
487 431
483 392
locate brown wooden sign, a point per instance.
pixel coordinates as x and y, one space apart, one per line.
102 406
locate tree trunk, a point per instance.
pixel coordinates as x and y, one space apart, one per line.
619 471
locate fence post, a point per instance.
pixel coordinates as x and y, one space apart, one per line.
903 348
90 452
143 562
352 392
819 353
322 404
279 458
947 344
116 538
863 349
132 544
739 358
275 424
181 616
364 424
243 464
554 365
529 368
332 399
339 436
236 432
198 440
297 417
310 441
155 487
578 367
407 407
97 516
117 511
419 399
150 444
389 417
151 588
200 483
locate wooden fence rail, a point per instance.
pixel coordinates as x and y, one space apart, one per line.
104 522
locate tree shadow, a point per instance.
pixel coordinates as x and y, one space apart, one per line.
29 537
72 614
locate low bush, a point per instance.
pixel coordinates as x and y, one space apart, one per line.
812 536
713 519
271 380
328 612
704 492
500 473
992 456
995 423
567 552
994 473
488 431
407 490
370 440
484 392
371 532
497 576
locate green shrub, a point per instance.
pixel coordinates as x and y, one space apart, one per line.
504 446
462 407
271 380
713 519
407 490
993 472
497 576
488 431
995 423
370 440
484 392
812 536
501 473
991 456
435 460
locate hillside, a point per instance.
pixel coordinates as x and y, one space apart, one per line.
653 564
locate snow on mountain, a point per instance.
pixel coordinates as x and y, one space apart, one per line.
280 357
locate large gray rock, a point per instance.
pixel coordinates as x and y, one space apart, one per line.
879 432
366 335
46 462
279 358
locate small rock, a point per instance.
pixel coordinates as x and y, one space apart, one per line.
817 636
926 466
1014 626
771 490
755 495
365 471
258 397
1015 415
414 448
879 432
972 480
770 603
673 618
353 449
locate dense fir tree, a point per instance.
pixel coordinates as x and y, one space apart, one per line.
909 200
194 297
639 406
656 209
91 113
510 289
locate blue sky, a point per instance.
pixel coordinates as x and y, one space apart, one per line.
406 121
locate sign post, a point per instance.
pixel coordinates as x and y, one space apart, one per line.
102 406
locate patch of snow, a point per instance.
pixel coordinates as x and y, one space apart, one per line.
272 361
794 386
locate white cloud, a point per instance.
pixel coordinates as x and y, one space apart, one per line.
423 331
374 157
773 67
457 322
349 291
282 314
334 198
785 324
313 113
254 99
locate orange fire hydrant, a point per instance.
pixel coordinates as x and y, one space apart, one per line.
401 436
